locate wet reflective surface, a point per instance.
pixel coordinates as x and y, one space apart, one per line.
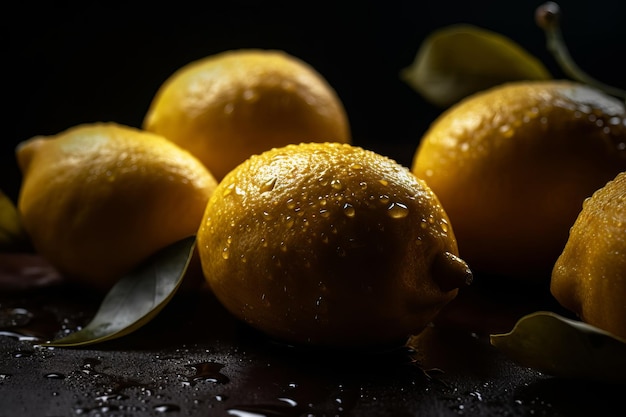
194 359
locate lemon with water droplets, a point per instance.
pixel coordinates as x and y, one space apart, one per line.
228 106
589 276
329 244
512 165
98 199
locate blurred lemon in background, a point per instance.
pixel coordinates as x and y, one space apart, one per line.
512 165
234 104
589 277
98 199
329 244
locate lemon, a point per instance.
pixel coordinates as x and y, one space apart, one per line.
98 199
512 165
329 244
589 276
228 106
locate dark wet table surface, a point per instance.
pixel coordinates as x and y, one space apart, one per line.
194 359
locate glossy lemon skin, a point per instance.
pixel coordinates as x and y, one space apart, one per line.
589 276
98 199
329 244
231 105
512 166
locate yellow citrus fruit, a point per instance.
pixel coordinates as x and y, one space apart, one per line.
589 276
237 103
512 165
329 244
98 199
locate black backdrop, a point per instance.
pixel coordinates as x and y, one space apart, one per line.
100 61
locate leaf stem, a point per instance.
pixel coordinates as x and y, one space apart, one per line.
547 17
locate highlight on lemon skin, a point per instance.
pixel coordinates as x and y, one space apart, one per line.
98 199
329 244
228 106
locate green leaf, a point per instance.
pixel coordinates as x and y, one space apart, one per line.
12 234
459 60
565 348
137 298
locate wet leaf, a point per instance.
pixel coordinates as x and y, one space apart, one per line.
12 234
137 298
459 60
565 348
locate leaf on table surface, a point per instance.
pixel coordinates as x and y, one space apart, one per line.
459 60
562 347
137 298
12 234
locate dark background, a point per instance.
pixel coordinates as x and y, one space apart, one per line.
100 61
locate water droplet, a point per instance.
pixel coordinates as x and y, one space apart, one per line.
267 215
384 182
324 213
166 408
228 189
288 85
88 366
341 251
291 204
268 185
397 211
349 210
16 317
251 411
476 395
363 185
506 131
355 166
288 401
250 95
55 375
228 108
225 253
208 371
336 184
